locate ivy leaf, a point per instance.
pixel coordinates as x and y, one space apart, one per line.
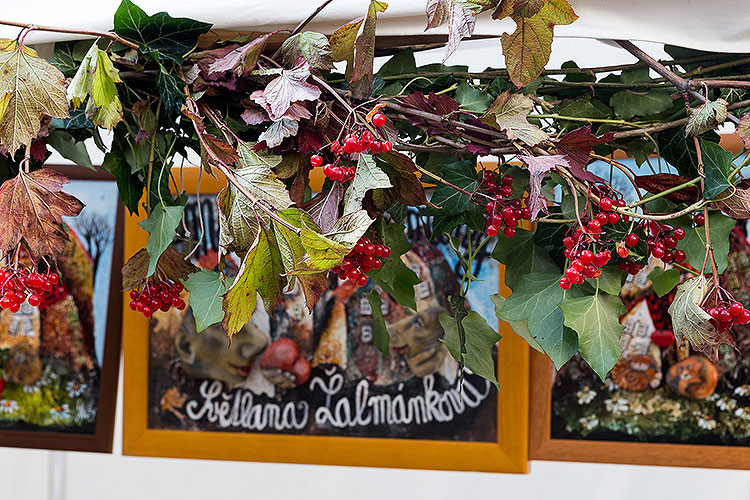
257 177
528 48
312 47
480 339
162 228
472 99
717 163
285 89
67 56
508 113
278 131
128 184
171 90
368 176
260 273
242 59
610 280
460 15
706 117
596 319
97 77
206 289
449 200
630 103
680 152
692 323
521 257
538 167
520 328
33 205
664 281
535 300
380 332
30 88
394 277
172 37
364 52
172 265
75 151
694 243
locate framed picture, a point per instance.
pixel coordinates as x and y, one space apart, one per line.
661 404
60 360
191 394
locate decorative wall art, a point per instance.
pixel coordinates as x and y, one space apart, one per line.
60 360
310 388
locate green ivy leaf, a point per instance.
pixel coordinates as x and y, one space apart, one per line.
162 228
664 281
311 46
67 56
75 151
173 37
171 90
207 289
535 300
380 332
694 243
717 163
679 150
610 280
472 99
401 63
367 177
128 184
450 200
480 338
628 104
394 277
596 319
520 328
521 257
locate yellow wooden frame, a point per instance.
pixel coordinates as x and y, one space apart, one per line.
508 454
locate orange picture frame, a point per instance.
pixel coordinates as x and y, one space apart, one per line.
508 454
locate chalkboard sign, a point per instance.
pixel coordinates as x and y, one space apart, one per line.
327 385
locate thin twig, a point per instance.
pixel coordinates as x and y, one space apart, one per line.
103 34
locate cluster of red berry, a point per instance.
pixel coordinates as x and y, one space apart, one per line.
18 285
364 257
584 262
662 242
354 143
154 297
725 316
503 212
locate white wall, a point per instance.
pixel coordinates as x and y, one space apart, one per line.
44 475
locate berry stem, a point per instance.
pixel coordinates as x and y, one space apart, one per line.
709 246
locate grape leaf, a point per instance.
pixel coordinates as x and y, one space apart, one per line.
312 47
520 328
521 257
717 164
538 167
380 332
595 319
33 206
257 177
162 228
576 147
692 323
242 59
508 113
30 88
328 250
96 77
394 277
368 176
480 338
706 117
260 273
664 281
694 243
324 207
535 300
206 289
172 37
278 131
285 89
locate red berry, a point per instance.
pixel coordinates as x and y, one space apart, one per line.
613 218
657 252
670 242
316 160
572 274
386 251
509 232
744 318
679 233
178 286
378 120
622 251
490 206
507 180
602 218
679 256
699 219
724 316
663 338
569 242
376 264
386 146
735 310
586 256
605 204
492 231
631 239
593 226
133 294
565 283
53 278
178 303
362 280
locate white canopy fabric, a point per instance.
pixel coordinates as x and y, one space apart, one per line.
716 25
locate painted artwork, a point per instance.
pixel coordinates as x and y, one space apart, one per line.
660 392
51 355
320 373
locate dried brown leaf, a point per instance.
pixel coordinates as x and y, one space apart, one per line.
658 183
172 264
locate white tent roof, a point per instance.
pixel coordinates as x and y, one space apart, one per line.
718 25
